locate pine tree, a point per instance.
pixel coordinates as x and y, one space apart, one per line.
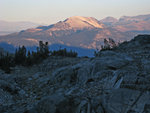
29 59
20 55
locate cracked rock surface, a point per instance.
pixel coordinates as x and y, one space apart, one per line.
118 81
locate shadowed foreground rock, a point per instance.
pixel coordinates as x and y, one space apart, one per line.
118 81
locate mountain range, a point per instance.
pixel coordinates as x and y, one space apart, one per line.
82 32
140 23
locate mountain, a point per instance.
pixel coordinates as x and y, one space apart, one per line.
138 24
75 23
116 82
77 31
81 32
10 27
109 21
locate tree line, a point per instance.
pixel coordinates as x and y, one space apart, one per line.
109 44
28 58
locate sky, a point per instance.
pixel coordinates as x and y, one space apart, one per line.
52 11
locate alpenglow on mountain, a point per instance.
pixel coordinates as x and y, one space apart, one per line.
85 32
82 32
138 24
76 22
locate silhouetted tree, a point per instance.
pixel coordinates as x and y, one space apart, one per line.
43 49
64 53
20 55
6 61
29 61
108 44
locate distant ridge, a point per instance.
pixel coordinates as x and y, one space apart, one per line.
7 27
138 23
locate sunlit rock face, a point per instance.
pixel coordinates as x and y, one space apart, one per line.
118 81
83 22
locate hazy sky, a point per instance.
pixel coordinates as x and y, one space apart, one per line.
51 11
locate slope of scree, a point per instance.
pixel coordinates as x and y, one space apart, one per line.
116 82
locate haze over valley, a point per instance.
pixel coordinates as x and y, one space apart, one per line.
7 27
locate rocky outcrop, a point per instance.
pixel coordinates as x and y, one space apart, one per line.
118 81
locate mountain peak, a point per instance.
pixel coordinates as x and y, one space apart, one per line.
109 19
81 22
80 18
75 22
